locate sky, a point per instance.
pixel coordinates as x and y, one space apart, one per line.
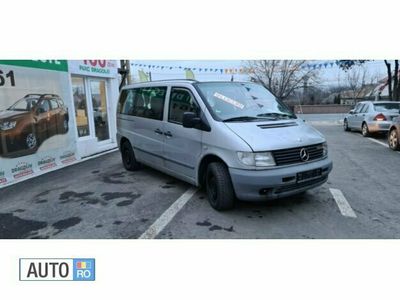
174 69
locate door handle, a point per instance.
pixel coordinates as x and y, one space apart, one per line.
158 131
168 134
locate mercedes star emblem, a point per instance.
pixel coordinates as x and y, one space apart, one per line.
304 154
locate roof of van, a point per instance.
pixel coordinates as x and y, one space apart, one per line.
155 82
171 81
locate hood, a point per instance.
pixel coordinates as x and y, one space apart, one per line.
274 135
8 115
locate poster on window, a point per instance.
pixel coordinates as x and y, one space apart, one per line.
35 123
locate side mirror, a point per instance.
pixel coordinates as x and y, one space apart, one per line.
190 120
39 111
351 112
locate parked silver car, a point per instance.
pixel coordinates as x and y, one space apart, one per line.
236 139
394 135
371 117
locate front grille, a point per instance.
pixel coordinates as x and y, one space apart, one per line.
292 156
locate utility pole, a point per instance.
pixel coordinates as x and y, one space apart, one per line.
124 71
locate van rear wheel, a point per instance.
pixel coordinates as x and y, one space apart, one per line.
128 157
219 187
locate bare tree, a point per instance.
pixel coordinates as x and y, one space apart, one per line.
393 78
281 77
356 79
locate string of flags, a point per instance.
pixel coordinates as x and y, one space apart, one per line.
235 70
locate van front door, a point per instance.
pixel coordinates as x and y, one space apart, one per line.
182 145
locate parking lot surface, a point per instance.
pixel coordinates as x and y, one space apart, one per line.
99 199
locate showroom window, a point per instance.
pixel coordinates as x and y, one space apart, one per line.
81 114
98 93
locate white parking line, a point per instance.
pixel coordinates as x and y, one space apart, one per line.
344 206
379 142
168 215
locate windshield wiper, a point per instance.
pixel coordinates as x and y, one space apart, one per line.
277 115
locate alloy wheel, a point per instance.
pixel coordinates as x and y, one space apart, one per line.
393 140
31 140
364 129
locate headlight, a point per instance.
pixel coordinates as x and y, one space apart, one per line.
7 125
258 159
324 149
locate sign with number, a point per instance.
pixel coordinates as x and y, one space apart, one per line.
94 67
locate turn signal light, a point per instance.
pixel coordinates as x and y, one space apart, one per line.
380 117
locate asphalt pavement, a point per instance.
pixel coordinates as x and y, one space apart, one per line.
99 199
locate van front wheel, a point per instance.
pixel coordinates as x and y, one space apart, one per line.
128 157
219 187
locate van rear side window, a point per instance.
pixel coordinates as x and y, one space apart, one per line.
143 102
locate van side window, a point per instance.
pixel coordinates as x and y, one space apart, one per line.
125 103
143 102
181 101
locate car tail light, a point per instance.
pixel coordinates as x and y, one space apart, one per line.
380 117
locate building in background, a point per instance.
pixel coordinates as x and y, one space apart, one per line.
53 113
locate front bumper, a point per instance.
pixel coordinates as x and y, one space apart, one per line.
252 185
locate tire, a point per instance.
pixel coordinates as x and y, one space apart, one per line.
128 157
394 140
346 125
219 187
364 130
31 141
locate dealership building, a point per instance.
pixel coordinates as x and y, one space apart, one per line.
54 113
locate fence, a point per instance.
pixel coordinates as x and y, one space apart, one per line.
322 109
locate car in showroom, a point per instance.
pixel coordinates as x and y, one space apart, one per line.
371 117
236 139
394 134
29 122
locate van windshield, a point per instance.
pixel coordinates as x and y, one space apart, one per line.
243 102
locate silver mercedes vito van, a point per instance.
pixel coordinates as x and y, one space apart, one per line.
234 138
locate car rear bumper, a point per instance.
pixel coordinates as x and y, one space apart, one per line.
379 126
252 185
